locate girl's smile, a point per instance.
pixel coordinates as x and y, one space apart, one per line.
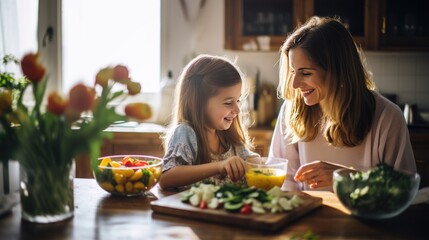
223 108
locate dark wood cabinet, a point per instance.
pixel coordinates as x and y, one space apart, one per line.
374 24
357 15
420 143
246 20
403 25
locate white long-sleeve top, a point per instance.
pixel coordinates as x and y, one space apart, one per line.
387 140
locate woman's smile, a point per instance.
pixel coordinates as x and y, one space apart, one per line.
305 93
308 77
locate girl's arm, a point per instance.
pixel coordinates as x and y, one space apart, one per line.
185 175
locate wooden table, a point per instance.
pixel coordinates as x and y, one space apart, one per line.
98 215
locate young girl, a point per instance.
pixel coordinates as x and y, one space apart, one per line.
206 139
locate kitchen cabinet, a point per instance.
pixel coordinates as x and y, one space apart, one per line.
357 15
402 25
420 143
374 24
127 141
262 140
246 20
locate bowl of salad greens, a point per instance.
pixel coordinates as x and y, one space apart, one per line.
379 193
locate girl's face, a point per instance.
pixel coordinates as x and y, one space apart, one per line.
222 108
307 77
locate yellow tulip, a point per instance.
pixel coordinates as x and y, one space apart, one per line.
5 102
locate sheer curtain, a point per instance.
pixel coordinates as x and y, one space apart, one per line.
18 26
18 29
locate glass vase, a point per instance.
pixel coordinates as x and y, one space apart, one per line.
47 192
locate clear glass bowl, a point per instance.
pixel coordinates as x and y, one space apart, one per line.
128 175
266 172
366 200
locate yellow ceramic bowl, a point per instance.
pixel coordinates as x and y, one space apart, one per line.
266 172
128 175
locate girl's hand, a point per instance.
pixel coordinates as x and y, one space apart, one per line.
234 167
317 174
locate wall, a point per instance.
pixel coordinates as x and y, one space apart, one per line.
403 73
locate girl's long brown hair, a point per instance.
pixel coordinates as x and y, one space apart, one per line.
201 79
329 45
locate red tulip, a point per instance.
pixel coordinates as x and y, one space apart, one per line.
120 73
32 68
72 115
56 104
81 97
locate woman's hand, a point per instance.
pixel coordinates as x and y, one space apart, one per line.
234 167
317 174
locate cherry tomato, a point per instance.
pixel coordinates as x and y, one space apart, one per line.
203 204
139 163
246 209
127 161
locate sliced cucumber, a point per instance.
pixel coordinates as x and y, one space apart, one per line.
194 200
233 207
257 209
185 197
213 204
253 195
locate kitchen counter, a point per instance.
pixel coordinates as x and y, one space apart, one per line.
136 127
145 139
98 215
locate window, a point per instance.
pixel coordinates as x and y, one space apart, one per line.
18 30
97 33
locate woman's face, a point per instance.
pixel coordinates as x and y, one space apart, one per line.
308 78
223 108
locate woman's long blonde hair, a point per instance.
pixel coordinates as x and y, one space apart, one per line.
201 79
352 105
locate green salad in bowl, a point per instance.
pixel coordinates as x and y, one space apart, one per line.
379 193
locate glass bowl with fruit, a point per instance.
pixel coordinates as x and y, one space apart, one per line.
266 172
379 193
128 175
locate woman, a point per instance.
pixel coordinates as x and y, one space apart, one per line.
332 117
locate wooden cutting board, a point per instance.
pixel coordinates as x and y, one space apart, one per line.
269 222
